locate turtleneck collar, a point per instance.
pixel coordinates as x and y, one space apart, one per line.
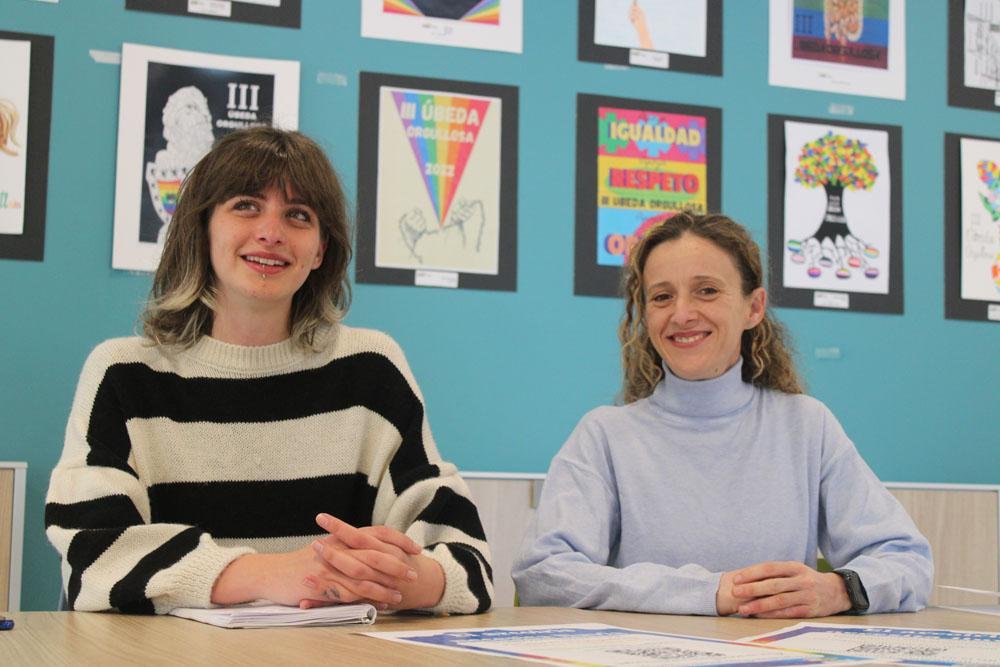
703 398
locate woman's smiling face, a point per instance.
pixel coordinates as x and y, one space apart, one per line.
695 310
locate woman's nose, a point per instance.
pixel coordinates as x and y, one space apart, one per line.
270 228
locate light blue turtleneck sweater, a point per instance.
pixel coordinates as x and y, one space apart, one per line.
646 505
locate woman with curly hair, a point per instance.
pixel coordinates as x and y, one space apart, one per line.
710 490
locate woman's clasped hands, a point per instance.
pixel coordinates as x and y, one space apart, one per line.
375 564
781 589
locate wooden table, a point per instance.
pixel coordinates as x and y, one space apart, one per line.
81 638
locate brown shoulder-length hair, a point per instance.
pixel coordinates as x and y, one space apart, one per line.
766 349
181 303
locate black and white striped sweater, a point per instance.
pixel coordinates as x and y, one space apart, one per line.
177 463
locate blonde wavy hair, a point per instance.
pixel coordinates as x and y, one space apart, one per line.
766 349
181 304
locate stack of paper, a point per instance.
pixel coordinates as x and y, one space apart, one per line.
278 616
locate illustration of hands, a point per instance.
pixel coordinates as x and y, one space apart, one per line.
841 254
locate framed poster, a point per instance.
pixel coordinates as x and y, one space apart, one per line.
173 105
856 48
25 117
679 35
637 163
974 54
835 215
283 13
495 25
437 183
972 227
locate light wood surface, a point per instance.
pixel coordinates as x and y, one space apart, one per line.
80 638
6 530
505 507
962 526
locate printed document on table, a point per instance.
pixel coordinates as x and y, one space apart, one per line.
912 646
279 616
598 644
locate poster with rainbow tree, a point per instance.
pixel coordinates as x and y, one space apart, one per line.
478 24
972 227
436 164
835 215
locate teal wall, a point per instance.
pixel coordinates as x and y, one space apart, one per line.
506 375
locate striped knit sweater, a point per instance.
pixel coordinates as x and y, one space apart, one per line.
177 463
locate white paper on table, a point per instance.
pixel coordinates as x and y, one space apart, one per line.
599 644
889 645
279 616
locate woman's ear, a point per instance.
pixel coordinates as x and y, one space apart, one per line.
758 305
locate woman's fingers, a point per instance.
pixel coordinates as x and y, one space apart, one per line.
379 538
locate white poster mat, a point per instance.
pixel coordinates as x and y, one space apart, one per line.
129 252
507 36
675 26
867 211
473 247
980 233
14 89
783 70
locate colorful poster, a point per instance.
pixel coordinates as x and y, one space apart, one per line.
649 165
25 115
14 80
837 184
835 215
679 35
441 170
974 54
283 13
477 24
972 227
183 101
843 46
638 163
980 178
438 203
851 32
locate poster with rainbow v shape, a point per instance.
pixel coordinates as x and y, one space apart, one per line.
437 183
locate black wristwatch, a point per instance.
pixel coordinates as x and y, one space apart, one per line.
855 591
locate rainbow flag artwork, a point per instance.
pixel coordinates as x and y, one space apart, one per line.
849 32
442 130
471 11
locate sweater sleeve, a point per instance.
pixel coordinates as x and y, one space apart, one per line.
424 497
566 556
862 527
97 515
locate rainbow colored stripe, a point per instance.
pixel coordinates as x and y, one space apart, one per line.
486 11
441 161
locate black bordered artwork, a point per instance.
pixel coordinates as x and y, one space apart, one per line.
437 183
675 35
283 13
25 120
835 214
974 54
637 163
971 227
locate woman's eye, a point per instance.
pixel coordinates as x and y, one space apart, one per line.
708 291
662 297
300 215
245 205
